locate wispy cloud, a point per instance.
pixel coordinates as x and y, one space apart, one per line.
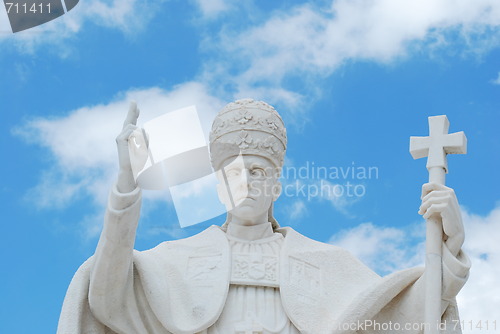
210 9
260 53
384 249
338 195
311 41
296 210
304 190
497 80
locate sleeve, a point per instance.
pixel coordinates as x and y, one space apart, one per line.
455 273
112 292
119 201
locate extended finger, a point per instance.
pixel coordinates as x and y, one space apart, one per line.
132 115
433 200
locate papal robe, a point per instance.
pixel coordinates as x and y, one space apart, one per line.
218 282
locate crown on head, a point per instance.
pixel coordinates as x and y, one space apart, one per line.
248 127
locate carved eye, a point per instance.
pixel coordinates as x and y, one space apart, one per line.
258 173
232 173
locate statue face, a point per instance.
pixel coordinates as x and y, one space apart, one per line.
252 185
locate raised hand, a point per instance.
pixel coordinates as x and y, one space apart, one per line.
126 182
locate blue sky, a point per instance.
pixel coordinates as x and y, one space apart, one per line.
353 81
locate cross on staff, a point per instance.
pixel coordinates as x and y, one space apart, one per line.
435 147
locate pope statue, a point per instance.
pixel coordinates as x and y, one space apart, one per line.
249 276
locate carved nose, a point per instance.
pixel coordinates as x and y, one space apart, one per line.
245 176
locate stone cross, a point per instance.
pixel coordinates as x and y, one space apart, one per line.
438 144
435 147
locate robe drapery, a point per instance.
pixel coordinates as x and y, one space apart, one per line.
183 286
322 287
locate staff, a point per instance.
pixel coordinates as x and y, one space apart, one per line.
435 147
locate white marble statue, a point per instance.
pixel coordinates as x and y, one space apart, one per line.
249 276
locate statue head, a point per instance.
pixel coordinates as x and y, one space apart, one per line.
247 148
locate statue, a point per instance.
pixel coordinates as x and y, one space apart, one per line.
249 275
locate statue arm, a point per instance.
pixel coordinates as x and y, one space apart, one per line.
111 292
111 275
409 305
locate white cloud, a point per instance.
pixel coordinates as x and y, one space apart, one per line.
307 188
386 249
82 143
339 196
309 40
85 137
56 189
128 16
212 8
91 225
297 210
497 80
480 297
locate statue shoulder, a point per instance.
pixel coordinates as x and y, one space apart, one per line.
296 238
210 240
330 258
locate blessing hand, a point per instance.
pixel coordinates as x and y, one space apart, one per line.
126 182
